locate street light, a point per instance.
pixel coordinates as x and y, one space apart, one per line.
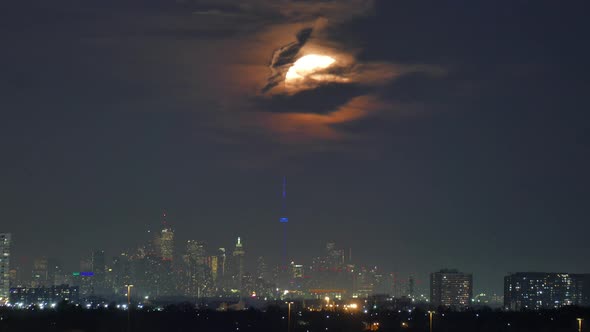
128 294
580 324
430 313
129 306
327 301
289 317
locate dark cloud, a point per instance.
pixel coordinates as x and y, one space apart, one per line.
322 100
418 87
283 57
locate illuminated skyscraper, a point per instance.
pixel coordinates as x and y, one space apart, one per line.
195 251
197 269
297 270
221 266
213 262
4 266
451 288
238 258
165 240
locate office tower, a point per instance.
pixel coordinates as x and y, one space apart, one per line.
197 269
330 272
5 241
297 270
167 244
411 286
99 270
40 273
85 277
86 264
221 262
451 288
261 269
383 283
163 241
55 273
213 263
541 290
334 256
195 251
121 272
238 264
365 281
222 281
163 273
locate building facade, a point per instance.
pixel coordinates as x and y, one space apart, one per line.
5 240
545 290
451 288
46 295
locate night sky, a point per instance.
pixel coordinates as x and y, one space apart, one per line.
452 134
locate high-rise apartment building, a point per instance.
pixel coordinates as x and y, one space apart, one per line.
5 240
543 290
451 288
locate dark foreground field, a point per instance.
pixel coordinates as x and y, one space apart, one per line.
275 319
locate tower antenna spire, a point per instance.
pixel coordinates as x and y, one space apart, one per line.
284 220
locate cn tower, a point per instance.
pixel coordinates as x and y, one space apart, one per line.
284 220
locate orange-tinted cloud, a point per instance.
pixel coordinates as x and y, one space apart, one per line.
296 128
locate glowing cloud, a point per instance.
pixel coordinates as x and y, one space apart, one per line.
308 65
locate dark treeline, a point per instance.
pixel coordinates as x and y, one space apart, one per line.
177 318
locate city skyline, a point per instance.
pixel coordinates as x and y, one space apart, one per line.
402 283
422 136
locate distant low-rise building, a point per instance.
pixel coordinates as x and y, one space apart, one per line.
545 290
49 295
451 288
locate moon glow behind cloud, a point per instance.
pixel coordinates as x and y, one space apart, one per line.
308 65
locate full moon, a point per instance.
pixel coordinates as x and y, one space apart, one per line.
308 65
